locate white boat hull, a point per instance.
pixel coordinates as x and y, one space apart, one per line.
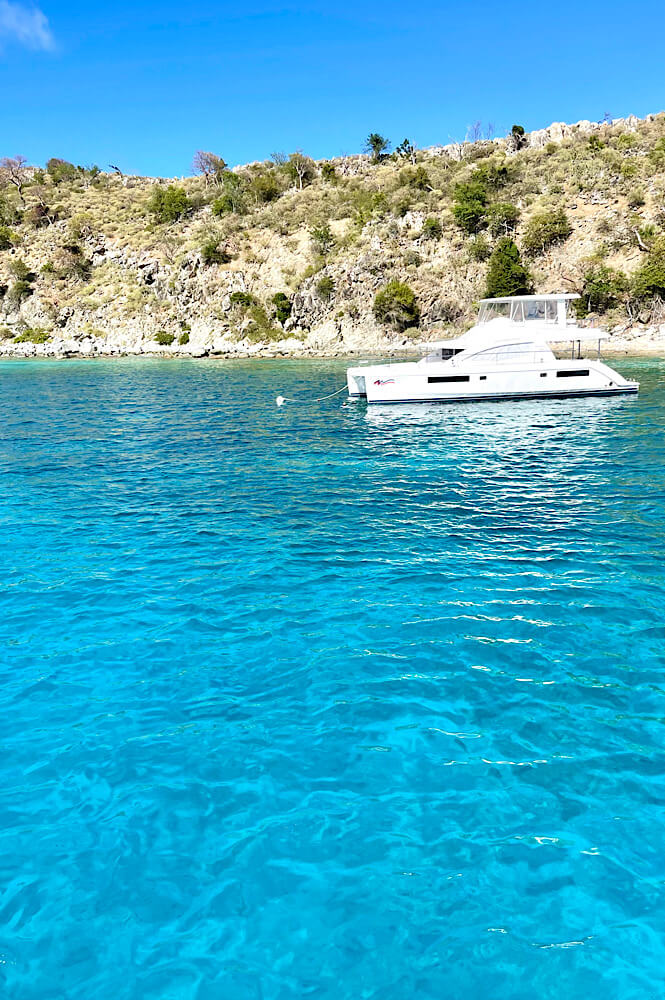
416 383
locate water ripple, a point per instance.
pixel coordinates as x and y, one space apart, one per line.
327 701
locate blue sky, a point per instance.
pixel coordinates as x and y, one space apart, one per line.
145 85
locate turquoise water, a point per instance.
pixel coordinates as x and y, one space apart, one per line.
327 702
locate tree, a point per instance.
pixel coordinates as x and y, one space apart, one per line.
41 214
416 177
503 218
602 288
168 205
518 136
506 275
13 171
649 279
396 305
301 168
323 240
407 151
377 145
432 229
232 197
328 173
265 187
545 229
210 165
60 170
474 132
7 238
325 287
283 306
212 252
470 206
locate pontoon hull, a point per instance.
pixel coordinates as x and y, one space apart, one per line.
413 383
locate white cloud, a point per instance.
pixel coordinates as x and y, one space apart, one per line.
27 25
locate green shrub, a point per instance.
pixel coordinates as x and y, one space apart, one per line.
322 238
70 262
212 253
470 206
415 177
168 204
61 170
242 299
503 218
81 225
396 305
18 291
6 333
164 339
602 288
649 279
368 205
491 175
479 248
432 229
636 198
20 270
325 287
33 336
545 229
506 274
265 188
7 238
328 173
283 306
232 197
183 339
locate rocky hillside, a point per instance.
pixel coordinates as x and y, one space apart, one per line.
356 253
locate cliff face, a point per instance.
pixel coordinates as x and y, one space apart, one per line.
87 266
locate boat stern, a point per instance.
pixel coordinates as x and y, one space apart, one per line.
355 381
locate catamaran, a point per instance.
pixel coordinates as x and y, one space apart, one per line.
506 355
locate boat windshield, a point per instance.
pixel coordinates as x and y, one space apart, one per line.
520 311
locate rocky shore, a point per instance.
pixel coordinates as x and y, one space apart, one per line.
325 343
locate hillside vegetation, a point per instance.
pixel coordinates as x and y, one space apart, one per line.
290 255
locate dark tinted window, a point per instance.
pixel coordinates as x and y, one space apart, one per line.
449 378
572 372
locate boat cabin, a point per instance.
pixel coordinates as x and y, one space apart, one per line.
512 329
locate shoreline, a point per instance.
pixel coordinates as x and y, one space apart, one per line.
627 349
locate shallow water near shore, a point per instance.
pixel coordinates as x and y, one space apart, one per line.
326 701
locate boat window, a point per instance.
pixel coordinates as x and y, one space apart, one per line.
443 354
508 354
572 372
535 310
551 313
449 378
494 310
517 312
